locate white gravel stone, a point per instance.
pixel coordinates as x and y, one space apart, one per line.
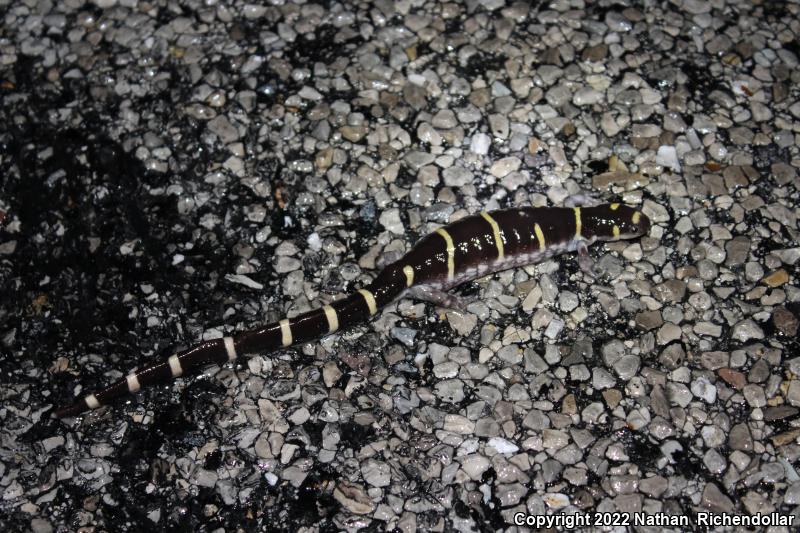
480 144
667 157
502 445
704 389
457 176
556 500
746 330
376 473
475 465
587 96
390 219
504 166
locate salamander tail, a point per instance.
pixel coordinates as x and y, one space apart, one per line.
356 308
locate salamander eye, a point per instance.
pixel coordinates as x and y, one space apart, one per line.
640 222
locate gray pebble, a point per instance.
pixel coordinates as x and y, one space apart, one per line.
740 438
746 330
376 473
715 500
457 176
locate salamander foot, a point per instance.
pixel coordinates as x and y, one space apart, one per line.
587 264
440 298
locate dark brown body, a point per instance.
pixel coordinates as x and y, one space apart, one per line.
466 249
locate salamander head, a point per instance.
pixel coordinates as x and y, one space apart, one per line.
612 222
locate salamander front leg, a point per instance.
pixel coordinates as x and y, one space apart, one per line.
586 262
387 259
438 297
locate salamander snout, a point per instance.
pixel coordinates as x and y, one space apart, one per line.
612 222
629 223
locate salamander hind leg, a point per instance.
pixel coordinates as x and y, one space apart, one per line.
387 259
426 293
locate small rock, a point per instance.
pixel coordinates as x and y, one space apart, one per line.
450 390
648 320
40 525
376 473
746 330
353 133
704 389
714 360
595 53
458 424
793 393
390 219
669 332
587 96
754 394
353 498
51 443
653 486
667 156
714 500
504 166
612 397
780 412
222 128
785 437
480 144
777 278
788 256
627 366
672 356
556 500
792 494
462 323
671 291
737 250
785 321
696 7
554 439
475 465
740 438
732 377
444 119
502 445
457 176
714 461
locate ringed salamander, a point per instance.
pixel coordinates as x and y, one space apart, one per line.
467 249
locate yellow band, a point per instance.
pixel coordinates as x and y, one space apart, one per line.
539 236
333 318
286 332
370 299
498 241
451 252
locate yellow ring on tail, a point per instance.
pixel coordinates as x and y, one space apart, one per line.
370 299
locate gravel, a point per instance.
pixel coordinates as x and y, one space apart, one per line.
176 173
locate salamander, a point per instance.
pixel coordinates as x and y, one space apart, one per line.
469 248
